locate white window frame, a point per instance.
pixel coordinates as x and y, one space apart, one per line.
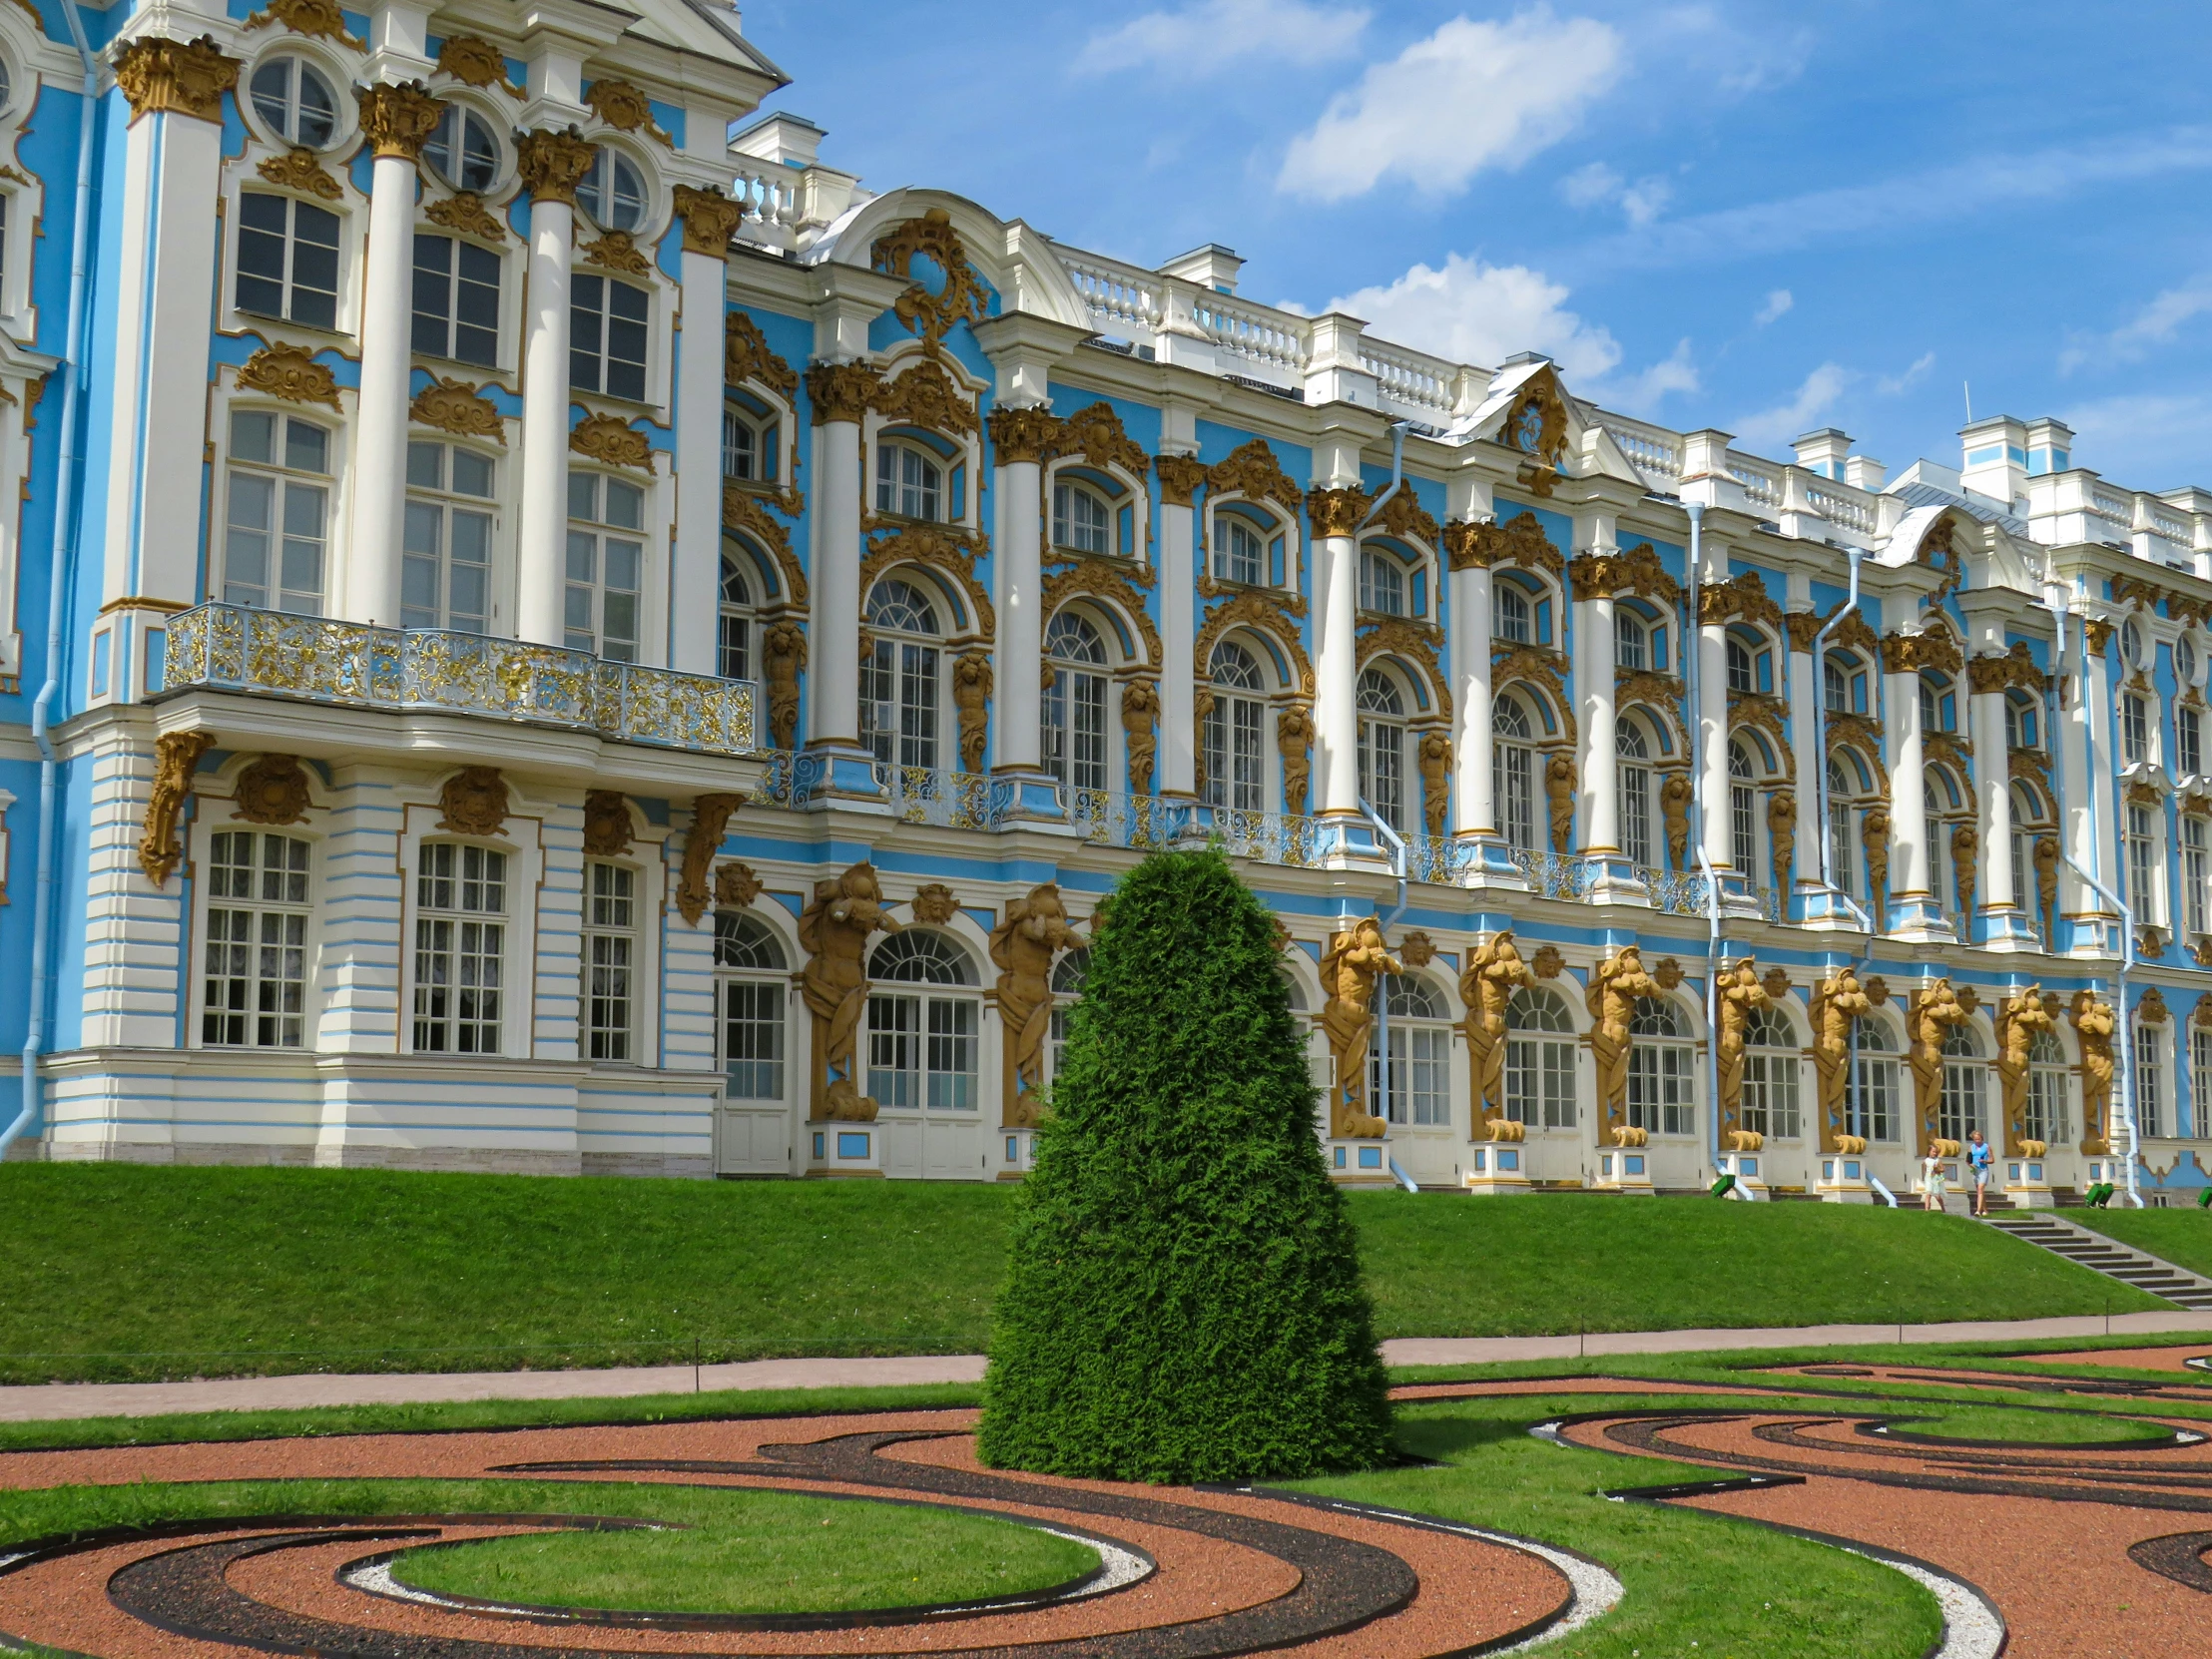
770 986
1964 1106
332 484
450 503
1236 713
1074 712
1662 1075
2153 1094
1417 1093
938 1011
915 669
206 901
1543 1071
613 960
1772 1075
1384 739
538 955
599 530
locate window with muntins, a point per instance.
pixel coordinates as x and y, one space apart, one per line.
1661 1096
734 624
606 562
461 948
748 446
295 102
445 569
1416 1086
1539 1060
2189 731
1080 520
607 336
1634 778
279 501
1872 1105
1067 990
1510 616
1381 583
921 1041
1770 1101
2142 866
456 301
1963 1109
2134 729
753 982
1239 554
1235 760
1834 689
287 260
1741 675
1631 642
462 150
2046 1116
898 677
2200 1076
1073 711
2194 870
1513 774
612 192
255 983
1382 749
2150 1082
1743 813
908 482
610 959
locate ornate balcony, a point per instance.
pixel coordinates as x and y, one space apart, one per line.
1554 875
1672 892
419 671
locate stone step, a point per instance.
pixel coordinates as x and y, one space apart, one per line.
2100 1254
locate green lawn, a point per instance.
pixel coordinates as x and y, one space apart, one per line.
2018 1427
2182 1236
117 1272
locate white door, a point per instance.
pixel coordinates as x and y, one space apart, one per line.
755 1141
952 1151
901 1147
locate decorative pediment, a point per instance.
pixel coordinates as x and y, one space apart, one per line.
1253 472
927 544
291 373
1912 652
1770 715
1403 517
1095 434
2150 1008
1637 571
476 62
1102 580
1411 643
464 210
1251 608
1805 627
1519 541
616 252
964 298
1742 596
623 107
319 19
747 355
299 169
1947 748
456 406
1540 668
2014 671
613 440
926 395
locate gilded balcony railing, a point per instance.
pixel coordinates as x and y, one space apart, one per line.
1113 818
1673 892
1438 859
1554 875
1269 837
355 665
949 800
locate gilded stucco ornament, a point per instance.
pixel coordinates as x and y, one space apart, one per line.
1294 736
1252 607
1413 644
1140 719
464 210
1434 759
926 544
2097 634
1542 668
177 756
291 373
1548 963
1099 579
972 684
834 930
299 169
1033 931
926 395
551 164
273 789
1403 517
1616 985
1347 974
1493 972
2095 1026
607 826
1782 826
1335 512
613 440
1537 427
1674 811
1095 434
1940 747
963 298
1520 541
625 108
747 355
1559 793
1911 653
1180 478
1742 597
1938 551
474 802
319 19
1935 1009
935 904
710 816
398 120
1253 472
616 251
2014 671
1966 852
1417 950
1668 975
710 218
1022 435
1837 1002
1740 997
476 62
2044 856
2019 1019
456 406
736 886
1874 838
177 76
1765 713
1638 570
838 392
783 655
742 511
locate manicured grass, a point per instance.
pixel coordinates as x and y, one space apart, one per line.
763 1553
2182 1236
124 1271
2022 1427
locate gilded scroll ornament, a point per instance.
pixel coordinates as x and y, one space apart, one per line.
607 826
611 439
1912 652
291 373
624 107
783 655
2097 634
2094 1025
972 684
273 789
1674 811
551 164
1415 642
1417 950
398 120
736 886
1935 1008
1252 607
456 406
1548 962
1034 931
926 395
1837 1001
1022 435
927 544
2020 1018
616 252
1742 597
1140 719
747 355
1537 426
1519 541
1294 742
1740 997
474 802
840 391
1253 472
476 62
834 930
183 78
710 816
1404 517
2150 1007
2014 671
1766 713
1347 974
963 296
1616 985
320 19
710 218
1103 580
1335 512
1542 668
1095 434
935 904
1180 478
1559 789
177 756
1493 972
742 511
1965 850
299 169
1637 570
464 210
1782 826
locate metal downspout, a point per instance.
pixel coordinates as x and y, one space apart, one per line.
57 591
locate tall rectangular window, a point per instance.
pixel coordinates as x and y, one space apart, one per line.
1513 785
1743 830
445 571
610 965
1416 1089
456 301
2134 729
1838 842
2189 729
1635 813
2200 1079
606 336
461 945
2142 866
1875 1108
2150 1082
276 533
2194 870
287 260
1660 1098
1235 760
606 560
256 955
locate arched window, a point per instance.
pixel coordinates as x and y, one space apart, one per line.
1082 520
1239 553
921 1041
1510 615
1660 1066
1382 748
751 983
1872 1103
1743 813
1513 772
1074 707
295 101
1631 641
1633 775
908 482
462 150
1067 990
1381 582
1965 1080
1416 1089
278 504
1742 676
898 676
1235 760
1539 1059
612 192
1770 1104
733 626
2046 1117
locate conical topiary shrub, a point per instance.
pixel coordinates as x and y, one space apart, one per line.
1184 1299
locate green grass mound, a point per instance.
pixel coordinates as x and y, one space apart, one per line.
2182 1235
2020 1428
1183 1300
766 1553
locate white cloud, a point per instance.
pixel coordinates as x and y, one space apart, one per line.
2153 324
1814 398
1891 384
1482 314
1210 36
1640 394
1779 304
1646 199
1512 89
2166 438
1587 185
1595 183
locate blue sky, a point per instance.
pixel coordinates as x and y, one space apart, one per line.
1763 217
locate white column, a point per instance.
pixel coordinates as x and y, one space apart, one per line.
1336 676
1810 768
1180 478
1593 681
397 119
2086 776
551 164
695 573
1994 783
1019 439
839 395
1908 866
1472 804
1712 741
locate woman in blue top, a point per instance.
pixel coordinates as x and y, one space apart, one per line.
1979 1158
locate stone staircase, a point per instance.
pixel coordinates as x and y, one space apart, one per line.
2102 1255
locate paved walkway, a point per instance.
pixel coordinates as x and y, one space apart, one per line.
56 1400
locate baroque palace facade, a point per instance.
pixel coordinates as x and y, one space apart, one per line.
538 636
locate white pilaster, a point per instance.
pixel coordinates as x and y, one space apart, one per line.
379 481
696 566
1177 754
1908 867
1712 743
834 643
1473 805
1019 571
1593 680
1994 786
1335 677
552 163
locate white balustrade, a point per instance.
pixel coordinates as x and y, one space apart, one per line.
1411 378
1849 512
1121 297
770 198
1762 487
1261 334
